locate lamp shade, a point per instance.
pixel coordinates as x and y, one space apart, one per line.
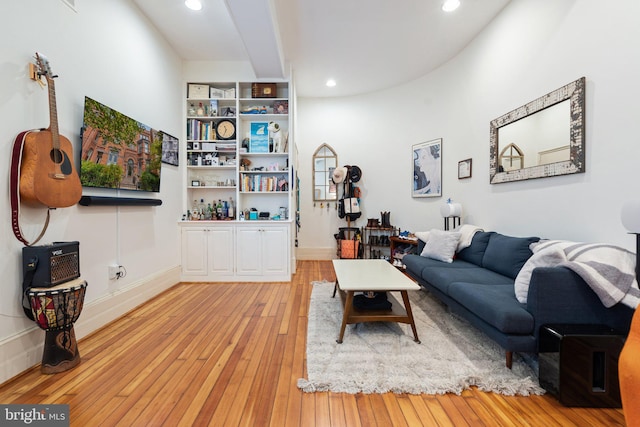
451 209
630 216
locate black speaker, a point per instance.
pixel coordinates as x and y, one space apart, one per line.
56 263
579 364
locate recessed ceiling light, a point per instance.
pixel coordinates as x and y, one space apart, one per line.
450 5
193 4
331 83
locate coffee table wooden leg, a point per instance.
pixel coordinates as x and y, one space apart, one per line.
407 307
348 304
335 288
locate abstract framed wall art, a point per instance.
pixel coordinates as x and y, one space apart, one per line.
427 169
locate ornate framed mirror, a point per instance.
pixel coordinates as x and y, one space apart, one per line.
548 134
325 161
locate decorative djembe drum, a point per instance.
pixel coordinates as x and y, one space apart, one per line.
53 295
55 310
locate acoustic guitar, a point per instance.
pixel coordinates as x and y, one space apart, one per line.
47 172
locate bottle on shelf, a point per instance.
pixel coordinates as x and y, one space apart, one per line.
219 209
202 208
232 208
195 215
209 214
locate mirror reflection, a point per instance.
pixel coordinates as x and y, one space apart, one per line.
541 139
538 139
325 161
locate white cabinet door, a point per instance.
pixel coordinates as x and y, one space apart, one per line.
263 250
194 251
248 251
275 250
221 251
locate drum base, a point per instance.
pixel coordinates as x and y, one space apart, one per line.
60 351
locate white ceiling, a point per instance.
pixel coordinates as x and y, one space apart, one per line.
365 45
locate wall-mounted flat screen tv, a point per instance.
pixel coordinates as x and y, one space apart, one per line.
117 151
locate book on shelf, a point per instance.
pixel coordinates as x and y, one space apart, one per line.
198 130
263 183
221 146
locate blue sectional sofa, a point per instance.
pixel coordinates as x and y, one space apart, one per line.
479 286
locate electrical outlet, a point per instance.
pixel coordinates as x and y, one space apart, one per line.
113 271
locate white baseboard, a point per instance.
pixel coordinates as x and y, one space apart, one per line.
24 350
315 253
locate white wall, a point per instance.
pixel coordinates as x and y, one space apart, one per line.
530 49
106 50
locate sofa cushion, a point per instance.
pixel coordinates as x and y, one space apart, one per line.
506 255
442 276
441 245
416 263
475 251
494 304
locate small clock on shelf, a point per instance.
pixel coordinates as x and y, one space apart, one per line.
226 129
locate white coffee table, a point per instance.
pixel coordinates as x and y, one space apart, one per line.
362 275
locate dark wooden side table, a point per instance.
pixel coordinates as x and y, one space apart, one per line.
579 364
395 241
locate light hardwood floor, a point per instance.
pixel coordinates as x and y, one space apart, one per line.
230 355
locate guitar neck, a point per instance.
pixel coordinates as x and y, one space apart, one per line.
53 115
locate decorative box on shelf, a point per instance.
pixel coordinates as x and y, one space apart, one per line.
198 91
263 90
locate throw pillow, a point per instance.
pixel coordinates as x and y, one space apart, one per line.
441 245
475 252
506 255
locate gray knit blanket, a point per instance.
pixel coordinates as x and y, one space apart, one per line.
609 270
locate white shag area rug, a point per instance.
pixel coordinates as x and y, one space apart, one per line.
382 357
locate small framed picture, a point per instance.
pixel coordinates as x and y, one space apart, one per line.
195 183
216 93
464 169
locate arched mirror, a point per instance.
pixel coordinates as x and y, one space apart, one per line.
325 161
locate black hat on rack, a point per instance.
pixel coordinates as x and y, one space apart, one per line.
355 173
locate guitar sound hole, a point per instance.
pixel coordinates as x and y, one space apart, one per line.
60 158
56 156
